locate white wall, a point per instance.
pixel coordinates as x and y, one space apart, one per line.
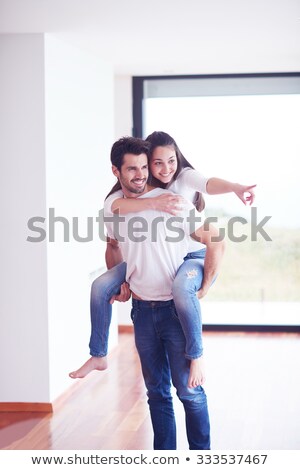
57 125
79 134
123 126
123 105
24 362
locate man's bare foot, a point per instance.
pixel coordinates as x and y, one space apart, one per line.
93 363
197 376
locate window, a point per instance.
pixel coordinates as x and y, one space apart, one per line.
242 128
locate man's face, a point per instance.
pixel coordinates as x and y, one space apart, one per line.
133 175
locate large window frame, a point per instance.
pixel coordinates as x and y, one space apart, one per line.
211 85
223 84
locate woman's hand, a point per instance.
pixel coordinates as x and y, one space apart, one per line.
245 193
125 294
170 203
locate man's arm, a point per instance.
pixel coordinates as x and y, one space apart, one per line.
113 256
209 236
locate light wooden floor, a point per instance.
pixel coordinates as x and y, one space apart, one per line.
253 388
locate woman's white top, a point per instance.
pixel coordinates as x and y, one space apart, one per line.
187 184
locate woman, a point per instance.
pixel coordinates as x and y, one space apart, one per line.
168 169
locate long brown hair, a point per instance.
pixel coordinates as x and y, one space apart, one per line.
162 139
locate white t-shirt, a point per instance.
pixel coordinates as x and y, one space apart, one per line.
187 184
153 244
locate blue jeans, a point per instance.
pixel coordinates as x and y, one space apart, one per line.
187 282
103 288
161 345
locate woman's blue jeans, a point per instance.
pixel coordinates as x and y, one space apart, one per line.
161 343
187 282
103 288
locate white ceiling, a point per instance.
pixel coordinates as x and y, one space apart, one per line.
149 37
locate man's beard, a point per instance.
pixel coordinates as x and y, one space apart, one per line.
133 189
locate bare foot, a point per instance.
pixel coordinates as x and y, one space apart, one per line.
197 376
93 363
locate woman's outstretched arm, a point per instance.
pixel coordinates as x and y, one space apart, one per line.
195 180
219 186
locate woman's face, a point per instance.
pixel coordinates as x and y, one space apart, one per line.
163 163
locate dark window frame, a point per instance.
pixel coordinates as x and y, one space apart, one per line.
138 89
137 131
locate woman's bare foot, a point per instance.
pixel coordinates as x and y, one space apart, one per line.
197 375
93 363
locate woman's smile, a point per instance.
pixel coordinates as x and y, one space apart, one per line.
163 163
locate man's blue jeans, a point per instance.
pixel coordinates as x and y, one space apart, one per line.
161 345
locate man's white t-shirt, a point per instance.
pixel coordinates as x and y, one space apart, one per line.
153 244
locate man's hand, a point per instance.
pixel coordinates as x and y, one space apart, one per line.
245 193
210 236
125 294
201 292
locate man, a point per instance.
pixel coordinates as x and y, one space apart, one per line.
153 244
